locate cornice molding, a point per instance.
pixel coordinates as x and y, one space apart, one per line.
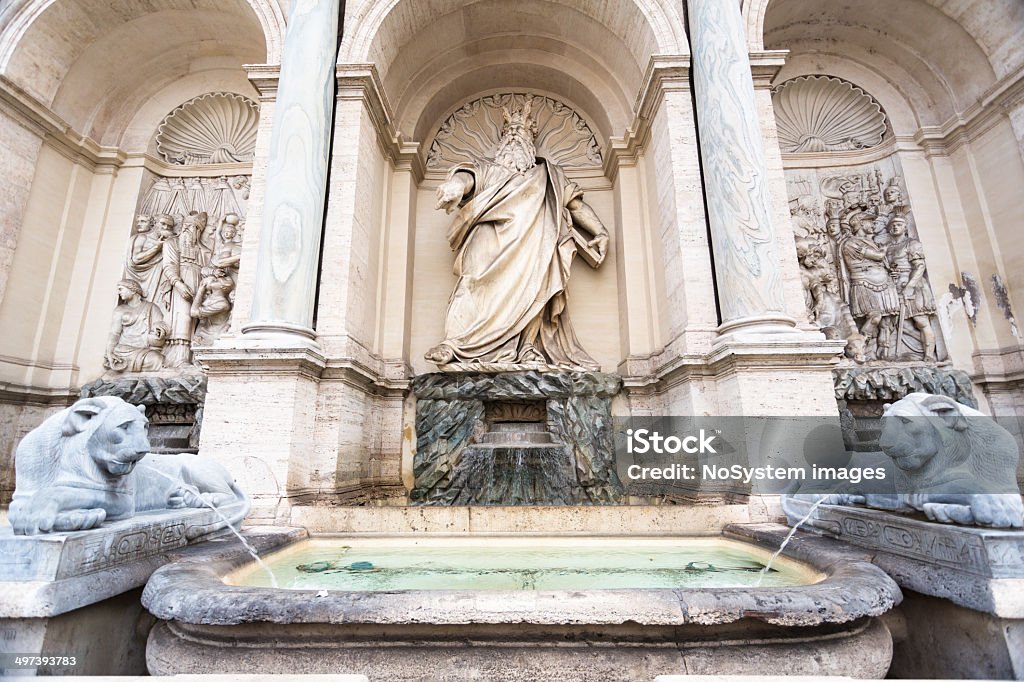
962 128
362 82
40 119
664 73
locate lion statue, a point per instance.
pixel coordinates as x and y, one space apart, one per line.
90 463
953 463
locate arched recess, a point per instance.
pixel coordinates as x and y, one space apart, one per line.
584 51
96 79
942 72
938 31
59 52
433 58
21 18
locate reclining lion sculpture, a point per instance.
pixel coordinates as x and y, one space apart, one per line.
952 463
90 463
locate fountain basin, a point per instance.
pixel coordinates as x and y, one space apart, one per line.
825 623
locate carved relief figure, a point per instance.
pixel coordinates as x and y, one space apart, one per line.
228 252
821 294
211 306
906 260
137 332
872 294
520 223
880 271
182 269
188 225
144 256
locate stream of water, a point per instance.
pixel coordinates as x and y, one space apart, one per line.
789 536
227 524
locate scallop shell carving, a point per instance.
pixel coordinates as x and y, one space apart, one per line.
816 114
472 132
218 127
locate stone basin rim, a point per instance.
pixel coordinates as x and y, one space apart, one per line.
191 591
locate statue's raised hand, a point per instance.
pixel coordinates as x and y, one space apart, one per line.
449 194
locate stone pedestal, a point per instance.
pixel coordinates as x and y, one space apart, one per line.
965 589
515 438
76 596
259 420
173 402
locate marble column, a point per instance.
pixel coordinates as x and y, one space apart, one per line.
296 179
750 284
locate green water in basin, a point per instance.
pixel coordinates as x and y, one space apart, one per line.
554 564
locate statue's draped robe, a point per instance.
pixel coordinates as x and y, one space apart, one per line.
514 244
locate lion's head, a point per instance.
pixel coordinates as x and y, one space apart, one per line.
934 439
97 439
117 432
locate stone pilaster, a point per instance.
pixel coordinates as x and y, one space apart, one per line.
296 179
264 384
763 363
746 250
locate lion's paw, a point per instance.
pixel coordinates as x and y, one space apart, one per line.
79 519
948 513
184 496
36 517
998 511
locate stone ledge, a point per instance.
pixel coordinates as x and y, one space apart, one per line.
46 575
514 385
192 591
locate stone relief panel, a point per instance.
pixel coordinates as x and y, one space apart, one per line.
180 271
862 265
472 132
218 127
816 114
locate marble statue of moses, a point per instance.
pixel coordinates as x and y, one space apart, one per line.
520 223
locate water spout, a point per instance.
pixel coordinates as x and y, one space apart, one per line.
227 524
789 537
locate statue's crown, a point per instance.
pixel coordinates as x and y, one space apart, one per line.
520 117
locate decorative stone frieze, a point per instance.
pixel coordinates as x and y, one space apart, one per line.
862 264
180 273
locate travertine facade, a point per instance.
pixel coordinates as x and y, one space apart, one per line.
719 292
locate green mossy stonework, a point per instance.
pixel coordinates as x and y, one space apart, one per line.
573 464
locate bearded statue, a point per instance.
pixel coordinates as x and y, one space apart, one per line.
519 224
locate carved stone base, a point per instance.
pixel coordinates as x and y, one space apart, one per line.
963 589
516 438
863 391
978 568
174 405
47 575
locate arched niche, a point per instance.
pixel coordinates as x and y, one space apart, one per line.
431 58
928 55
138 50
100 77
939 70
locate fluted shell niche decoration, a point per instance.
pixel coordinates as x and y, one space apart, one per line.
816 114
218 127
471 132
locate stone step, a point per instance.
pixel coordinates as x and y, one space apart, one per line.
506 427
505 448
516 437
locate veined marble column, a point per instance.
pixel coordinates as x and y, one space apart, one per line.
750 284
296 180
